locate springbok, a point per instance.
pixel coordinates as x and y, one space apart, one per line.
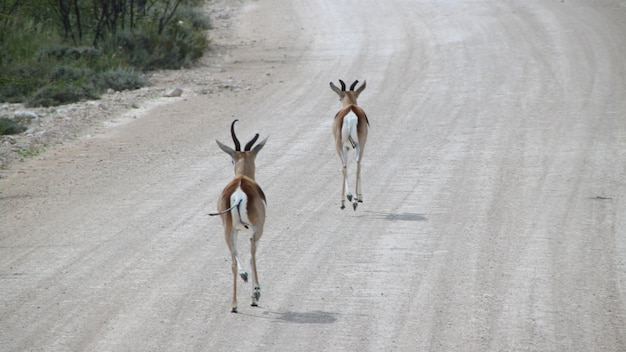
241 205
350 131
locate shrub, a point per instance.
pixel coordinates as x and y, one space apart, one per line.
197 19
10 126
119 79
58 52
65 53
17 82
60 93
178 46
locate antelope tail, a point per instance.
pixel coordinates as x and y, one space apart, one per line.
227 210
352 142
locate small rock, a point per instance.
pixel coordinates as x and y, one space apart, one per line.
176 92
25 113
66 110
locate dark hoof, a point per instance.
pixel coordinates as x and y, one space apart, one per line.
349 196
342 206
233 310
244 276
354 205
256 295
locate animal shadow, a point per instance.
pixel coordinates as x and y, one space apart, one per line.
314 317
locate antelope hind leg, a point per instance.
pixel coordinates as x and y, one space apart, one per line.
256 287
345 190
359 195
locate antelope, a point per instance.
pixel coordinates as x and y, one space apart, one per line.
241 205
350 131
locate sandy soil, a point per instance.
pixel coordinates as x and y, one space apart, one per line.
494 213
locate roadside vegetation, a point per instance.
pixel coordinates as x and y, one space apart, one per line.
55 52
11 126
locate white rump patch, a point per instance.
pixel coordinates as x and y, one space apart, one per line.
349 129
240 213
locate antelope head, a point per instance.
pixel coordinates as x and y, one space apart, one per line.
348 97
243 160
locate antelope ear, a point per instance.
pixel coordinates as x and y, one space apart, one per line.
358 91
228 150
258 147
335 89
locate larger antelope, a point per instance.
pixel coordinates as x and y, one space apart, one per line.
241 206
350 132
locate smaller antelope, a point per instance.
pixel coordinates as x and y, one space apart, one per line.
241 205
350 131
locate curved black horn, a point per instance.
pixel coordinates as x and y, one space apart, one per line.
232 133
343 85
249 145
354 85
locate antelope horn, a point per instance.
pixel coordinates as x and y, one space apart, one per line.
232 133
354 85
343 85
249 145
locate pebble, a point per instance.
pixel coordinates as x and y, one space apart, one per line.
175 92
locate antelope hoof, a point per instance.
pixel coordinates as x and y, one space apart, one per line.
354 205
349 196
233 310
256 295
244 276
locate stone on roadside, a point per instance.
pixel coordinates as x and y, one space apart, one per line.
25 113
175 92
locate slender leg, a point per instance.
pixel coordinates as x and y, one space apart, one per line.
359 195
344 185
345 192
358 178
242 272
256 287
233 305
234 266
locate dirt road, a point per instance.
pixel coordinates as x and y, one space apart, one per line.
494 184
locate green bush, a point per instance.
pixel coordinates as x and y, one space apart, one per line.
196 19
17 82
10 126
179 45
58 52
119 79
60 93
65 53
63 85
